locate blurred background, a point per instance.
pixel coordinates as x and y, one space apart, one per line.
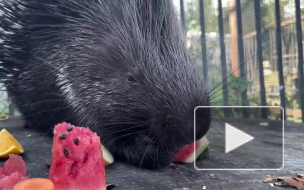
249 51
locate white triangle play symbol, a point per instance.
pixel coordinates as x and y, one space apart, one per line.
235 138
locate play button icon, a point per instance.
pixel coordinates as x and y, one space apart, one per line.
239 141
235 138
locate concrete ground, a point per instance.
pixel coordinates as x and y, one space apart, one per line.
184 177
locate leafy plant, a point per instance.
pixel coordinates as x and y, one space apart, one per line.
235 85
4 103
238 84
3 107
3 110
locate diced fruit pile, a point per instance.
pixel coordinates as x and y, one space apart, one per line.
78 161
13 176
12 172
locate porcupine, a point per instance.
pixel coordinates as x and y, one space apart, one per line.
120 67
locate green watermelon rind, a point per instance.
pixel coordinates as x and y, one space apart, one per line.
107 156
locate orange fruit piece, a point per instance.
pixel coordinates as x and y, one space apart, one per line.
9 145
35 184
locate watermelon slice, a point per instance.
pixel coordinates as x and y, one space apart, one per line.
186 154
14 171
77 161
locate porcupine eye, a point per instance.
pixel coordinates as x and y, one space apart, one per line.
131 79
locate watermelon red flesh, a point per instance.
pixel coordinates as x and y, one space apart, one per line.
8 182
15 163
14 170
186 154
77 166
2 172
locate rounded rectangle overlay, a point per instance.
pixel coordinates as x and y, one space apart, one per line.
240 139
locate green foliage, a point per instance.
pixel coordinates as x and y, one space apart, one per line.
247 7
238 83
235 86
3 110
3 104
273 99
193 15
268 12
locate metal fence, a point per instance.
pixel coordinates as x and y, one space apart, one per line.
248 62
269 59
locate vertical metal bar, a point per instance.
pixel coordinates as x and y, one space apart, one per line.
11 109
203 39
257 14
241 53
223 56
300 55
182 14
279 54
